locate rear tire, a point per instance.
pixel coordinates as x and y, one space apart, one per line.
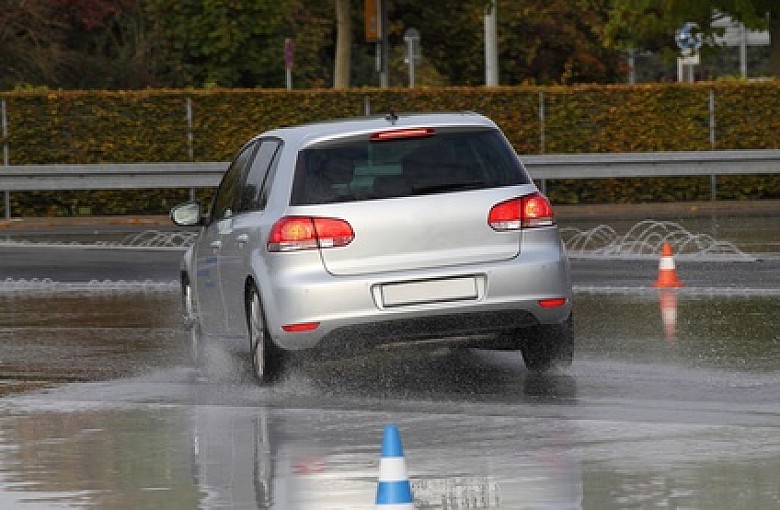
266 356
548 346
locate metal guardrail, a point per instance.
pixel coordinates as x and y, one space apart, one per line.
653 164
541 167
111 176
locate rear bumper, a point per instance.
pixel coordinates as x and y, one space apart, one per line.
348 311
478 329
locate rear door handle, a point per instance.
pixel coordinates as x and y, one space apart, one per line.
242 239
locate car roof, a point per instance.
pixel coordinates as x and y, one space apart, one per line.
308 134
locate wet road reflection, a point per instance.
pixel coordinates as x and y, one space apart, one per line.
728 332
54 336
226 457
221 456
642 419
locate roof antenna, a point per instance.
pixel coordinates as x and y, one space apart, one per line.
391 117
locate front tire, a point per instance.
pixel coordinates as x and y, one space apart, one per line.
266 357
548 346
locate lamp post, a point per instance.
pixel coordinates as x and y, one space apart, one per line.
491 45
412 40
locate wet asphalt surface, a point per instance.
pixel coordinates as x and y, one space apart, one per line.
654 413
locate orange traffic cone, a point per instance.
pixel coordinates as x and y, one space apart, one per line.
667 274
667 301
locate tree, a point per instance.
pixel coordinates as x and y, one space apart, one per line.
32 45
240 44
343 44
540 41
555 41
759 15
117 44
76 44
651 24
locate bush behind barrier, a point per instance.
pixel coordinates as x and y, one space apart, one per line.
62 127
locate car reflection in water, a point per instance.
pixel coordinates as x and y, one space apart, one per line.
56 451
301 459
538 472
168 440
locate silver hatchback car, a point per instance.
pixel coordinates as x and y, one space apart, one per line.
376 232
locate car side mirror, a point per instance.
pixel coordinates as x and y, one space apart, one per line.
187 215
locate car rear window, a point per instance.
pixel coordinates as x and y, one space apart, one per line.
361 169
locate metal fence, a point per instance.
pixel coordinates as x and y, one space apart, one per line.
188 139
548 122
541 167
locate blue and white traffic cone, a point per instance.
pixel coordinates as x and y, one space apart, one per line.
394 491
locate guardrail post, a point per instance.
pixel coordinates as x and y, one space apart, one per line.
541 122
713 187
543 182
6 194
712 119
190 139
713 177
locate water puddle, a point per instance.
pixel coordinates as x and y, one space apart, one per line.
472 438
718 331
63 333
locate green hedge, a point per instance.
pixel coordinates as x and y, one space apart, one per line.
143 126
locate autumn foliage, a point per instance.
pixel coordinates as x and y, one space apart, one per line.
147 126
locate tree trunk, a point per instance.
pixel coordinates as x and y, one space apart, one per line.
774 48
343 45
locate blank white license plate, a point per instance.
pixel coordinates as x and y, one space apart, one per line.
429 291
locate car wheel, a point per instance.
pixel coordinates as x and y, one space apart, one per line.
548 346
192 323
266 357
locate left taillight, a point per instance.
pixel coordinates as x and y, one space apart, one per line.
522 212
294 233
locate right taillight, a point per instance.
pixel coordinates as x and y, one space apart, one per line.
293 233
522 212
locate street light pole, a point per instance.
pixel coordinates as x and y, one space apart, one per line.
491 46
412 40
383 79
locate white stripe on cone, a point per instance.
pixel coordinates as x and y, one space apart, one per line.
667 273
392 469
